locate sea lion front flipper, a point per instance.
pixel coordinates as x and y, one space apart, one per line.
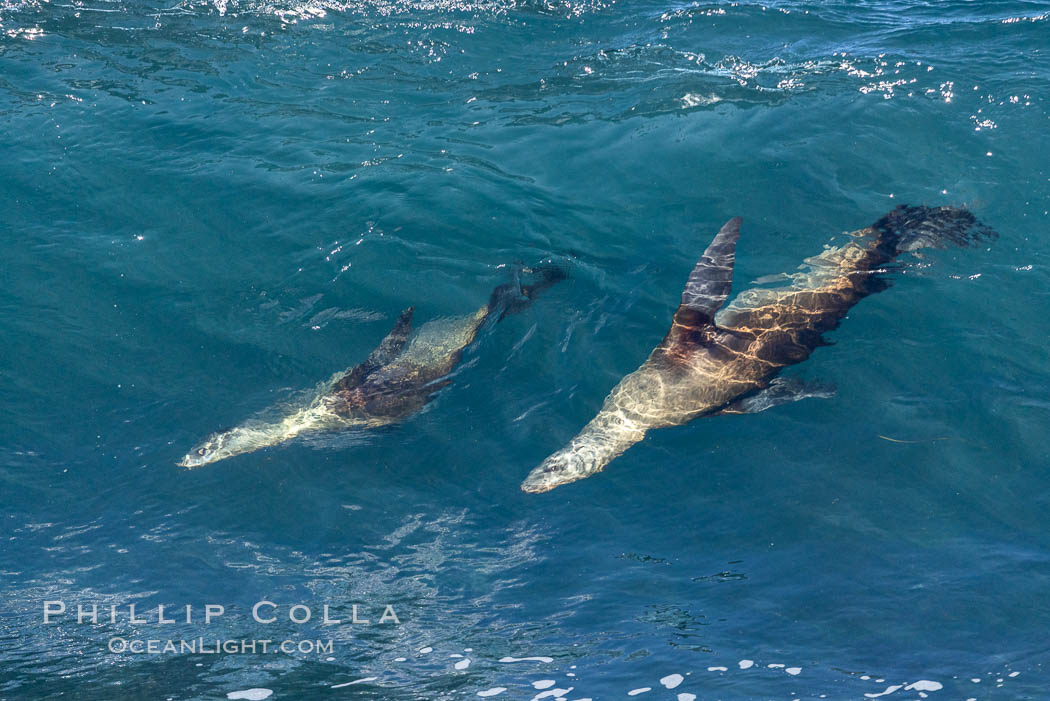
705 293
387 350
391 346
711 280
782 390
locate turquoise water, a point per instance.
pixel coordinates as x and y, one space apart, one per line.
208 207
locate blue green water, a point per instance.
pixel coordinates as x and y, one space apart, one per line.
206 207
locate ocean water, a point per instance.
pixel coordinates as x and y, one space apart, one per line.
208 207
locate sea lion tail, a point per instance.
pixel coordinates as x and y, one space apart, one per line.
911 228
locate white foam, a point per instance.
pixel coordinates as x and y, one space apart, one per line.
463 664
1013 674
672 680
793 670
746 664
251 694
425 650
526 659
717 669
494 691
356 681
693 100
543 684
400 659
976 680
775 666
924 685
686 697
643 690
889 690
455 654
556 693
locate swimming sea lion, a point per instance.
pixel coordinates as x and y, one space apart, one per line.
727 361
399 377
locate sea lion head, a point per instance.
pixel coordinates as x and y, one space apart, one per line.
561 468
214 447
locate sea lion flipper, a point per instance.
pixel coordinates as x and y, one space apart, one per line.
394 342
514 297
388 349
712 278
782 390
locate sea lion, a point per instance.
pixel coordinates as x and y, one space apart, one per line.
720 362
397 379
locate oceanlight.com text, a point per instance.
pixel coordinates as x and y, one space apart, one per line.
213 646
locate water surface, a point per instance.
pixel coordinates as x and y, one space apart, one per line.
206 207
